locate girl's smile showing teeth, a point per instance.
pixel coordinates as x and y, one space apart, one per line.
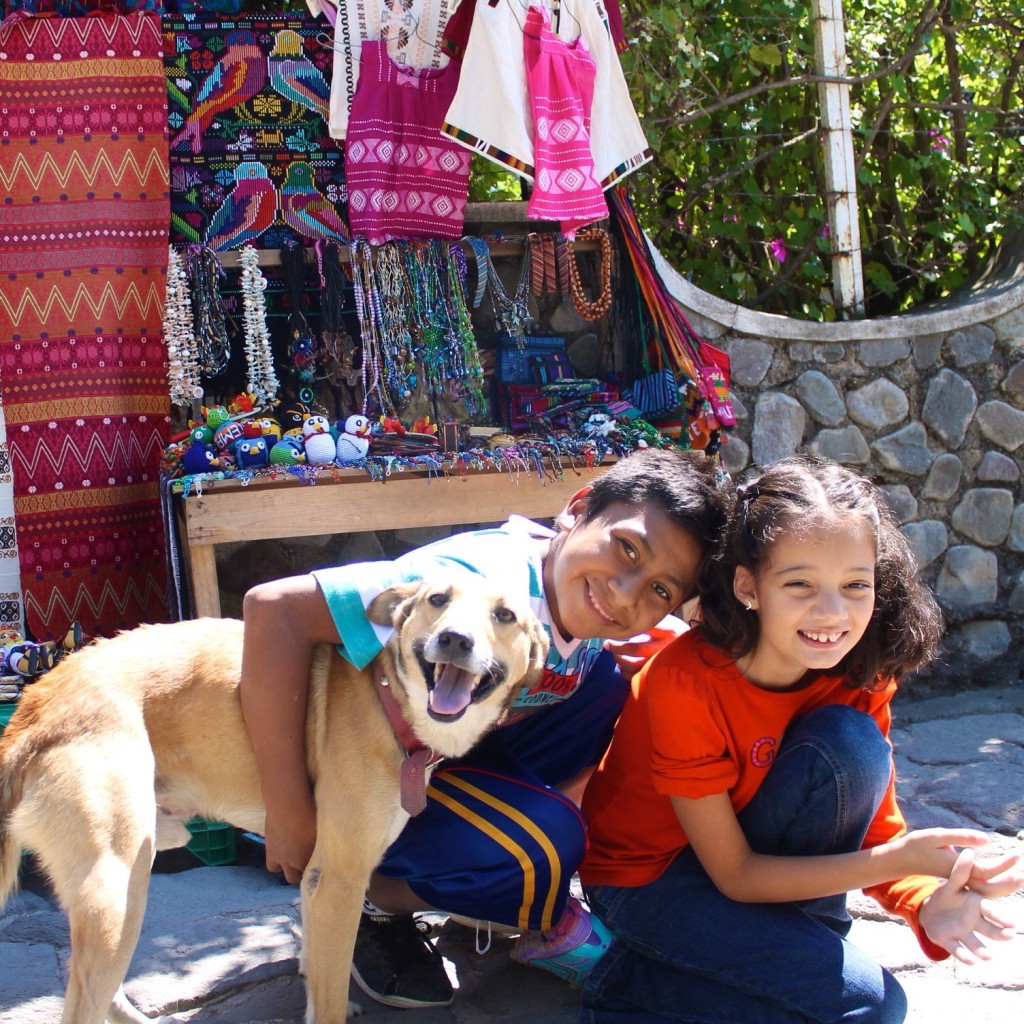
823 638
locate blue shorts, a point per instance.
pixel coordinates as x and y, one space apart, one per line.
496 841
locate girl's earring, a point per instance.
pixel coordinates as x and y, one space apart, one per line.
748 606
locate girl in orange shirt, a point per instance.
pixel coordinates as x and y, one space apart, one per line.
750 784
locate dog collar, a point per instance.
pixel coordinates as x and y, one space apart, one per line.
418 756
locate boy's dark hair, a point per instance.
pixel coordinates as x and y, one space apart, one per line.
688 486
804 493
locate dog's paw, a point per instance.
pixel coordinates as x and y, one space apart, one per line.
354 1009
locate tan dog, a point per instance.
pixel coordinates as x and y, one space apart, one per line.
79 759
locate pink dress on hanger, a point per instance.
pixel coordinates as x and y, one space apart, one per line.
560 81
405 179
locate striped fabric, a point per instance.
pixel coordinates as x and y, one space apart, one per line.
83 249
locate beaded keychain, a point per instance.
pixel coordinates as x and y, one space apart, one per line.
179 335
262 382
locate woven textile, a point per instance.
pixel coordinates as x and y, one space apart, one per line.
560 80
83 248
405 179
412 29
251 159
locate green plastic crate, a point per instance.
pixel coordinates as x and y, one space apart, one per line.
213 842
7 709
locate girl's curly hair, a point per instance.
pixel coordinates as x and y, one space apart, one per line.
804 493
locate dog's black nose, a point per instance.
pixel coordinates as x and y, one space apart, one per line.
449 640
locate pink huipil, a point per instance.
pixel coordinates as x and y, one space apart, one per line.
560 79
405 179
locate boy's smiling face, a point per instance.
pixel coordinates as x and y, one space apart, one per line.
620 573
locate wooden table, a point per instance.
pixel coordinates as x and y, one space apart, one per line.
348 501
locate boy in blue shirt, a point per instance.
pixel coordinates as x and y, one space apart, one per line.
502 834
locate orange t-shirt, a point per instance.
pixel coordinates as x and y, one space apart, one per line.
694 726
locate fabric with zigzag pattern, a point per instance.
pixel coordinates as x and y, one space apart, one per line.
83 368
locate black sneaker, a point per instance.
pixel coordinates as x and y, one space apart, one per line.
395 964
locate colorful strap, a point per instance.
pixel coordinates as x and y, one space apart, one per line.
482 252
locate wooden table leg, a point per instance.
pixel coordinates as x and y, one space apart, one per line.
206 590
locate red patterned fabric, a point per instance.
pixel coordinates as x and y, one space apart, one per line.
83 253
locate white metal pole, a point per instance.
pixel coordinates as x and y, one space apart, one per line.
840 170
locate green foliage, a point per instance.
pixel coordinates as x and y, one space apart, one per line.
735 197
489 183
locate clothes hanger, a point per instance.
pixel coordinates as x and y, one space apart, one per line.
557 7
327 42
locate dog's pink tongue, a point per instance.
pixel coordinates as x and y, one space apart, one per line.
453 690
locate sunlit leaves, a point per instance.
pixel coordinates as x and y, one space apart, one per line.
739 162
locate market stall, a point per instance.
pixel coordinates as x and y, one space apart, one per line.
280 281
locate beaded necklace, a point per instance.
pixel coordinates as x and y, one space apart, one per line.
209 318
368 310
262 382
339 356
396 339
596 308
432 313
467 375
179 335
512 314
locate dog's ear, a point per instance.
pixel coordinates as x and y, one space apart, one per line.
388 607
540 643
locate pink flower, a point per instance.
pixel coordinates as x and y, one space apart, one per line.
777 247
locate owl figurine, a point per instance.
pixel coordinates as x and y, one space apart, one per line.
252 453
318 440
354 441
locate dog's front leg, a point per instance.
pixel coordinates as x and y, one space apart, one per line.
332 901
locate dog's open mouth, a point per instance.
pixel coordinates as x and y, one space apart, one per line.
452 689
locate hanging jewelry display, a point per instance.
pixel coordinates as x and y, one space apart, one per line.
262 382
512 315
466 374
302 342
368 310
598 307
340 361
396 340
204 271
179 335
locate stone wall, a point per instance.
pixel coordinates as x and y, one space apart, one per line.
930 405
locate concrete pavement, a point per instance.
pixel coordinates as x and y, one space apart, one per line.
220 944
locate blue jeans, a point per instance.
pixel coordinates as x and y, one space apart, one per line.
687 953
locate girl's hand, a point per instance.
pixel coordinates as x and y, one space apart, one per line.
995 878
631 655
929 851
962 921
